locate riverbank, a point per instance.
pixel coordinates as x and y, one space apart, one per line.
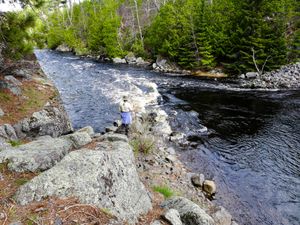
26 163
286 77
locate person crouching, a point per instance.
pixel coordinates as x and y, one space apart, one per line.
125 110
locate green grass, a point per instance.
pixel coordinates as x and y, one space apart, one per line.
15 143
21 181
4 97
164 190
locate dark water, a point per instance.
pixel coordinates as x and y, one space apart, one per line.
252 147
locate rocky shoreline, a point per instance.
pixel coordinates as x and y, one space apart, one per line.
287 77
101 169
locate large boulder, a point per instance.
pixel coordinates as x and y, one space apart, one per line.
190 213
106 179
51 121
37 155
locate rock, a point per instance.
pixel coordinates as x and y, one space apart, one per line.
51 121
111 129
176 136
1 179
13 80
141 62
242 76
2 216
16 223
1 112
222 216
115 137
118 60
197 180
234 223
209 187
87 129
7 132
156 222
190 213
173 217
63 48
35 156
171 151
251 75
22 73
106 179
78 139
130 58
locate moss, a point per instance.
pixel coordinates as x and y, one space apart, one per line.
15 143
21 181
164 190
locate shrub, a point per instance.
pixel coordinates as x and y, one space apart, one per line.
164 190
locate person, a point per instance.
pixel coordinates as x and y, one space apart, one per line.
125 110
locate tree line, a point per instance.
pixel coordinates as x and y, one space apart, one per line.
237 36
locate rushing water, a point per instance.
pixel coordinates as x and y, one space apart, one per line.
251 149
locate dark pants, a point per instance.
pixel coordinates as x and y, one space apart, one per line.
125 128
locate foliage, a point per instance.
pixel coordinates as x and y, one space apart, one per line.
15 143
14 37
164 190
196 34
142 140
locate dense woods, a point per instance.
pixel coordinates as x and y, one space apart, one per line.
238 36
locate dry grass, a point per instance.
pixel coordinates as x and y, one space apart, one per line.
34 97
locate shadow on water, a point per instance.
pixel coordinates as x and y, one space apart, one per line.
251 150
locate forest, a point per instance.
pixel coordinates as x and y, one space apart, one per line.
236 36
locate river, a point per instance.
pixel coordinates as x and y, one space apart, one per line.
251 149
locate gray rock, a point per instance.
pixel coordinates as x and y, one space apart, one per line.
118 60
63 48
101 178
1 112
173 217
16 223
156 222
251 75
197 180
87 129
7 132
141 62
22 73
190 213
78 139
130 59
115 137
36 156
13 80
50 121
222 216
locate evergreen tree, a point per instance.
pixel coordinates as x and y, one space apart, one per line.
259 37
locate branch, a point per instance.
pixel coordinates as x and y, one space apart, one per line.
254 60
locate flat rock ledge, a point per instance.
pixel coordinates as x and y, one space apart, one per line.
37 155
106 178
